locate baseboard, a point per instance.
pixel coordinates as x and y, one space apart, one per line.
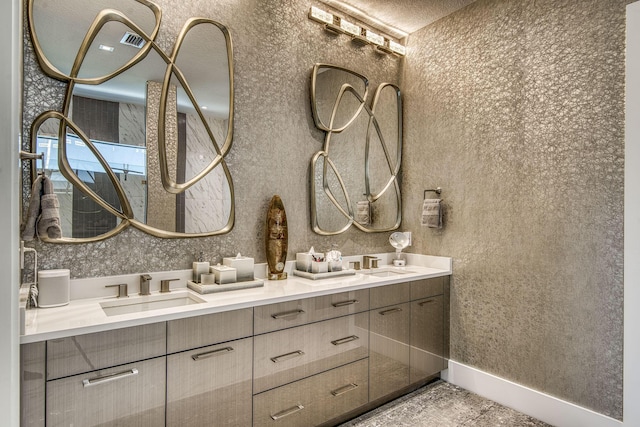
546 408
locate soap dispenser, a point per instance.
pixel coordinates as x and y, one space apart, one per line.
200 267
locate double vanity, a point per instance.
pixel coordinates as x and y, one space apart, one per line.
294 352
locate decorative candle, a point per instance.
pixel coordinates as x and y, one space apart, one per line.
243 266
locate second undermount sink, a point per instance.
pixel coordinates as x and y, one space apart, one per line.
387 272
150 302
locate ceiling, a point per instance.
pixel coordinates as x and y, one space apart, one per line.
407 16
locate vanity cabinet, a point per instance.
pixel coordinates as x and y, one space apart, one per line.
288 314
284 356
427 341
126 395
314 400
107 378
389 339
298 363
209 384
407 337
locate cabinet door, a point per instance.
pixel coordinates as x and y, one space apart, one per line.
89 352
288 314
32 384
129 395
210 386
200 331
314 400
284 356
389 349
427 337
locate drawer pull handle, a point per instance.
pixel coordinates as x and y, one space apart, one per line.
344 389
345 303
287 412
108 378
426 302
345 340
287 356
391 310
287 314
212 353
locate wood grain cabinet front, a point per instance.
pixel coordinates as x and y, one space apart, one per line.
89 352
314 400
284 356
131 395
288 314
389 355
210 386
427 337
200 331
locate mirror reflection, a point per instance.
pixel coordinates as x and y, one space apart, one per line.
355 175
143 133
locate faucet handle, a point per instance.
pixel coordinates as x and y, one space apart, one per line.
164 285
356 265
122 289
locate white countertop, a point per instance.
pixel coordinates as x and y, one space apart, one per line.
84 314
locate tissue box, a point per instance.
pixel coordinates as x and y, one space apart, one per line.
303 261
243 266
224 274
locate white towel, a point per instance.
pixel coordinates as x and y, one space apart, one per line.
432 213
363 212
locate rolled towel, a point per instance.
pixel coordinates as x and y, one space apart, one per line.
28 229
432 213
363 212
48 224
49 220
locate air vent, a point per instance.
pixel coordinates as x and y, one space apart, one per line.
132 39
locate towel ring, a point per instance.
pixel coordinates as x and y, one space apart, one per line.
437 190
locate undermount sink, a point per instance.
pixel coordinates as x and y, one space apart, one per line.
387 272
149 302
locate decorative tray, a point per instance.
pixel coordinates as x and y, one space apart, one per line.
316 276
209 289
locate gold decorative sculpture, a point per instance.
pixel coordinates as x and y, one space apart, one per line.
276 239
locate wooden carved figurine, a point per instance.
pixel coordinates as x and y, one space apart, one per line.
276 239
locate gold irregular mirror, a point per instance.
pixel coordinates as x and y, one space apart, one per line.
354 178
143 133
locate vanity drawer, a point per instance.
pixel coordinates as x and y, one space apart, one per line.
314 400
210 386
200 331
383 296
299 312
89 352
427 287
285 356
129 395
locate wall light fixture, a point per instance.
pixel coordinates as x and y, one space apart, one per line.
337 24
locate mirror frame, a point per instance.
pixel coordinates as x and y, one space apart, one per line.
373 124
126 215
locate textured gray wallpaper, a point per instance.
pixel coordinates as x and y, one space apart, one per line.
516 108
275 47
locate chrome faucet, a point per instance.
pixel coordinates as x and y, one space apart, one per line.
370 261
144 284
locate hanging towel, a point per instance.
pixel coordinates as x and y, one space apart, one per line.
432 213
43 216
363 212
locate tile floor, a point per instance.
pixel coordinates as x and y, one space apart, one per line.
441 404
